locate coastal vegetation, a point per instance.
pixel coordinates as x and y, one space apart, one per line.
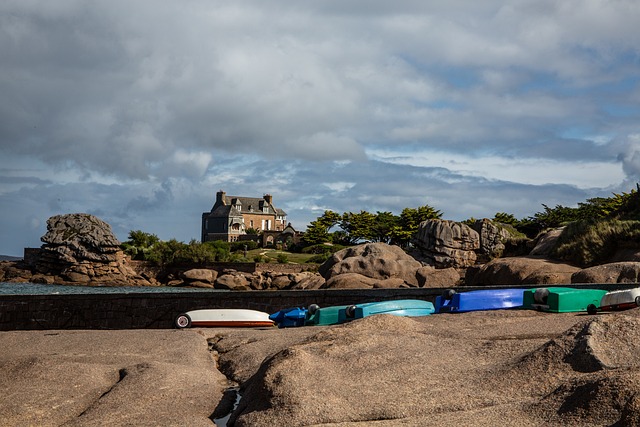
593 231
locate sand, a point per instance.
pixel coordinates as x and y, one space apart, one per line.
486 368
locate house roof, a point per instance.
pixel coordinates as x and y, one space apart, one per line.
246 205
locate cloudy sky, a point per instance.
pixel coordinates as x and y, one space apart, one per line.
140 111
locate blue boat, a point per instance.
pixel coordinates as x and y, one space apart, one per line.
405 307
290 317
485 299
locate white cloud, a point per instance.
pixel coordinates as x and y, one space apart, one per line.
529 171
296 99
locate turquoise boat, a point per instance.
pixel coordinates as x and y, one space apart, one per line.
562 300
317 316
405 307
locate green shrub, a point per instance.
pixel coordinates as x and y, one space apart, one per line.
319 259
322 249
283 258
587 243
239 246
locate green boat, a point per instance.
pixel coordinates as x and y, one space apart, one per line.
561 300
317 316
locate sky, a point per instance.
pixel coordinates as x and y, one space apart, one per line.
138 112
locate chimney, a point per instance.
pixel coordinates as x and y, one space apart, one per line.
268 198
220 197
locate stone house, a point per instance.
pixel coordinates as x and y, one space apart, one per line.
231 217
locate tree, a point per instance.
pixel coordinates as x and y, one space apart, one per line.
141 239
383 226
166 252
318 230
358 226
139 244
409 222
505 218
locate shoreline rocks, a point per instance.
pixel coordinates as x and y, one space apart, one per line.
80 249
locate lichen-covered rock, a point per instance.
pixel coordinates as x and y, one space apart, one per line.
81 249
377 261
492 238
447 243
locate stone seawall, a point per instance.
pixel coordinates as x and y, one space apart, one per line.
158 311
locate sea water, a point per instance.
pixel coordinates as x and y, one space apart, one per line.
7 288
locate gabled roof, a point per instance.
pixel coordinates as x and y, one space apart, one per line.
249 204
224 211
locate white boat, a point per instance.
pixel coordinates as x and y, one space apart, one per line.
224 318
617 301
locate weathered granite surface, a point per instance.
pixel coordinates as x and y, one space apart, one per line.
81 249
376 261
445 243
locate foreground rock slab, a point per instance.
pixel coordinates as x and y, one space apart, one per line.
513 367
389 371
90 378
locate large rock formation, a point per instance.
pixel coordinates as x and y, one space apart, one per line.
447 243
492 239
523 271
430 277
377 261
81 249
617 272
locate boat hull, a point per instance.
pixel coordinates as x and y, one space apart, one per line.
290 317
489 299
618 300
224 318
404 308
325 316
562 300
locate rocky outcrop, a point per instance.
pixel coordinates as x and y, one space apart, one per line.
377 261
617 272
546 242
358 281
492 239
430 277
446 244
81 249
200 277
230 279
523 271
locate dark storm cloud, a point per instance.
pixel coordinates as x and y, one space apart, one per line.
140 111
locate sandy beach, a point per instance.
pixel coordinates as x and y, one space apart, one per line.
485 368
